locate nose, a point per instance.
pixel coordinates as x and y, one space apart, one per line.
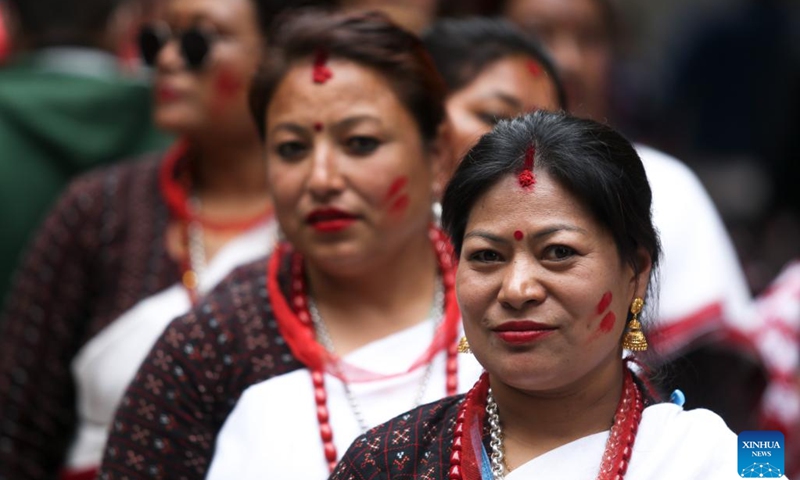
522 285
325 180
169 57
567 52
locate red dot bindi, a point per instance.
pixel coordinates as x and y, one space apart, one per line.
605 301
317 126
518 235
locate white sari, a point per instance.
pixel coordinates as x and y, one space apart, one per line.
273 432
671 444
107 363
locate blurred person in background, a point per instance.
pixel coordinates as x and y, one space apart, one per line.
129 247
493 72
413 15
65 107
701 281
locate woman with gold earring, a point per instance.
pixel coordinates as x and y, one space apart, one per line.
550 266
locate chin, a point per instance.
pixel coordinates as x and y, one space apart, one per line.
522 372
342 258
173 122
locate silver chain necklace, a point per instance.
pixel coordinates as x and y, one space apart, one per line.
324 338
495 438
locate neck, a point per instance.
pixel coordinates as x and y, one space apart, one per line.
389 296
229 171
535 423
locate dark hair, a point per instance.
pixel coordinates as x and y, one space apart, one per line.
269 11
64 22
611 22
594 162
368 39
461 49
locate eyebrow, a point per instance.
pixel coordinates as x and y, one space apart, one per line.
507 99
292 127
540 234
343 124
352 121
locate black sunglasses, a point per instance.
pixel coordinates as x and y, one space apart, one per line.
195 43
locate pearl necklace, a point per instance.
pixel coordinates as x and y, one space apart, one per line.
324 338
617 451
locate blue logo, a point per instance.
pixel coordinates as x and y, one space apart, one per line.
761 454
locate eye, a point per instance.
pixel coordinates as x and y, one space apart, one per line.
491 119
361 146
293 150
559 253
485 256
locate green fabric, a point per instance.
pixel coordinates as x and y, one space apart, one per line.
58 122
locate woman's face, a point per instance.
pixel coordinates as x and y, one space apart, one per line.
543 292
505 89
213 96
578 37
350 174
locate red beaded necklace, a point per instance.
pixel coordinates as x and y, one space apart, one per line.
175 182
297 329
465 463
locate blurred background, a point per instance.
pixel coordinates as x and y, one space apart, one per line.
715 83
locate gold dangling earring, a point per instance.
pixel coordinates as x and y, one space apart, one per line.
463 346
634 338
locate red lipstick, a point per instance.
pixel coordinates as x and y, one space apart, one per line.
328 220
165 94
519 332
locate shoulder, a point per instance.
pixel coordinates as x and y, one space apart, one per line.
667 174
105 184
686 443
673 418
414 443
232 332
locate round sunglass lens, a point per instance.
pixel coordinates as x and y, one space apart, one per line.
150 43
195 46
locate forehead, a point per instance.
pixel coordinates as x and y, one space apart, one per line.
352 90
224 11
511 77
556 12
506 206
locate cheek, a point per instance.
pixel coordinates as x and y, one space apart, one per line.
397 200
226 89
286 183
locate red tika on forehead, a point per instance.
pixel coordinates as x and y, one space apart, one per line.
321 73
526 178
534 68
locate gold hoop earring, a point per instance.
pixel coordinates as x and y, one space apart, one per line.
634 338
463 346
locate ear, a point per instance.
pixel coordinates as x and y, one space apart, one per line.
641 279
442 159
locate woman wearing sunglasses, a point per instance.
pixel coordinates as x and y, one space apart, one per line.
128 248
354 318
